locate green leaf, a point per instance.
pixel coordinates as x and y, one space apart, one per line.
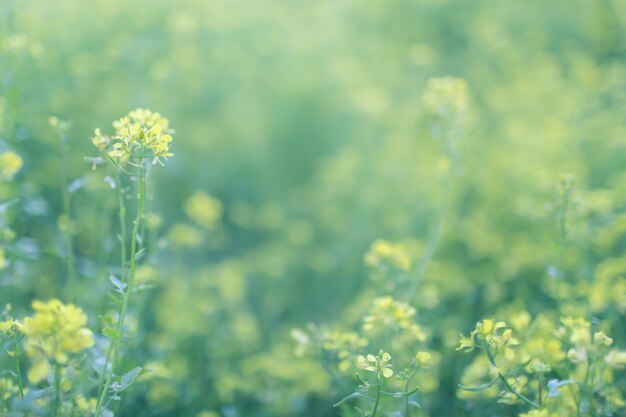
479 387
111 333
129 378
117 283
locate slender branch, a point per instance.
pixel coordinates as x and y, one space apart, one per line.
69 258
508 386
377 400
406 390
114 348
57 390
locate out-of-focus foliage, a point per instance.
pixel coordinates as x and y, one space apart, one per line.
367 178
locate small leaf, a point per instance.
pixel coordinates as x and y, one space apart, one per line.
107 320
479 387
76 185
110 182
5 206
117 283
111 333
348 398
141 252
129 377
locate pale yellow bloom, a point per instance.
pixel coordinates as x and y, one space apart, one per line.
204 209
10 164
52 334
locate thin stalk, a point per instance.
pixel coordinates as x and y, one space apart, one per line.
435 236
20 383
114 348
540 390
406 390
57 390
69 259
506 383
584 389
122 217
377 400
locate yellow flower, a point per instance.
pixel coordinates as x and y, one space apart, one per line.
8 389
496 334
535 413
386 313
204 209
55 331
10 164
7 326
85 406
383 253
446 96
379 364
3 259
600 338
616 359
423 358
142 132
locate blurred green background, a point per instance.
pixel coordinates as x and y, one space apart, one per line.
305 120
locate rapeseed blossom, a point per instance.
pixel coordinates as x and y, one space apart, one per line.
141 133
379 363
446 97
383 253
10 164
204 209
388 313
55 331
496 334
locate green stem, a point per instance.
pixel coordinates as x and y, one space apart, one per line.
540 390
57 390
508 386
435 236
406 390
122 217
69 259
377 398
114 348
18 371
584 390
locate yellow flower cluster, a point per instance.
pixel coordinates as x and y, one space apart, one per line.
84 405
539 413
383 253
7 327
8 388
379 364
497 335
586 343
10 164
446 97
55 331
204 209
423 359
342 344
142 132
388 313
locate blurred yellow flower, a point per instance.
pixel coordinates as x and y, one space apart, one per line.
383 253
204 209
423 358
446 96
10 164
55 331
387 313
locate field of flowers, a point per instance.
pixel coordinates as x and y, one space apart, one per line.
257 208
